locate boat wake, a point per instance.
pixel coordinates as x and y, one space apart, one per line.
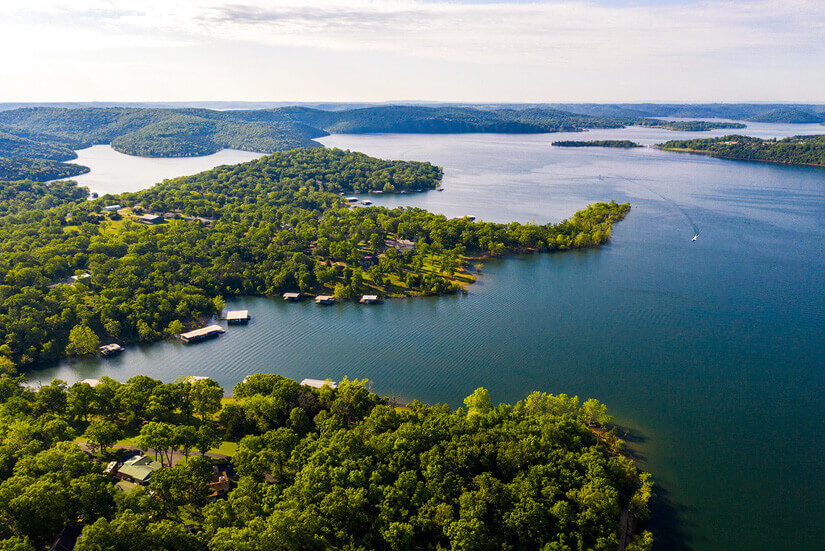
667 200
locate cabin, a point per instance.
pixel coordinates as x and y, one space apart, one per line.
220 483
110 350
292 297
370 299
325 299
318 383
203 333
237 317
111 208
138 470
151 219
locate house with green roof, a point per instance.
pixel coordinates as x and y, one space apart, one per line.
138 469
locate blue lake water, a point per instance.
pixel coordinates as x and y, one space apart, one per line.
710 352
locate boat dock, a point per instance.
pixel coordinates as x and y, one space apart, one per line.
325 299
292 297
370 299
202 334
237 317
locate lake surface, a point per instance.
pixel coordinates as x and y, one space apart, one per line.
114 172
711 352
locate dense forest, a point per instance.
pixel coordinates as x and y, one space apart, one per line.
156 132
261 228
37 170
326 469
597 143
797 150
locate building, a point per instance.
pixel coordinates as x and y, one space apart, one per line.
79 277
138 469
220 483
202 334
318 383
237 316
325 299
112 208
370 299
292 297
151 219
110 350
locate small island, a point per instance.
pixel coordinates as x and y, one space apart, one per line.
622 144
797 150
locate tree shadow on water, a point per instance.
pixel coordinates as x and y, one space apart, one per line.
671 531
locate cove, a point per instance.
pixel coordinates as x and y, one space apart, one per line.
709 352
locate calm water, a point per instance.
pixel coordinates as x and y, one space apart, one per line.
114 172
710 352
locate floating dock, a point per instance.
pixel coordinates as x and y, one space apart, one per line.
370 299
237 316
325 299
202 334
292 297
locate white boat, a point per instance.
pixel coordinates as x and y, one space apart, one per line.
695 237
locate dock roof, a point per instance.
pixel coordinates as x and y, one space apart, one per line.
318 383
203 331
233 315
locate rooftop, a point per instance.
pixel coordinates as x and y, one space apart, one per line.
318 383
237 315
203 331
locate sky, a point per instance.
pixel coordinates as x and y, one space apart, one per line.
394 50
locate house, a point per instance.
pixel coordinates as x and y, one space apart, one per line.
110 350
138 469
203 333
325 299
79 277
151 219
112 208
317 383
292 297
370 299
401 245
237 316
220 483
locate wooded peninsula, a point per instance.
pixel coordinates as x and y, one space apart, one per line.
75 273
797 150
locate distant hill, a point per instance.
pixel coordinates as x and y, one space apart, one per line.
789 116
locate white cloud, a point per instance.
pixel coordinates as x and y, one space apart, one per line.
545 36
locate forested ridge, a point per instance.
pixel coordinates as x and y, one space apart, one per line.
156 132
260 228
798 150
329 468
